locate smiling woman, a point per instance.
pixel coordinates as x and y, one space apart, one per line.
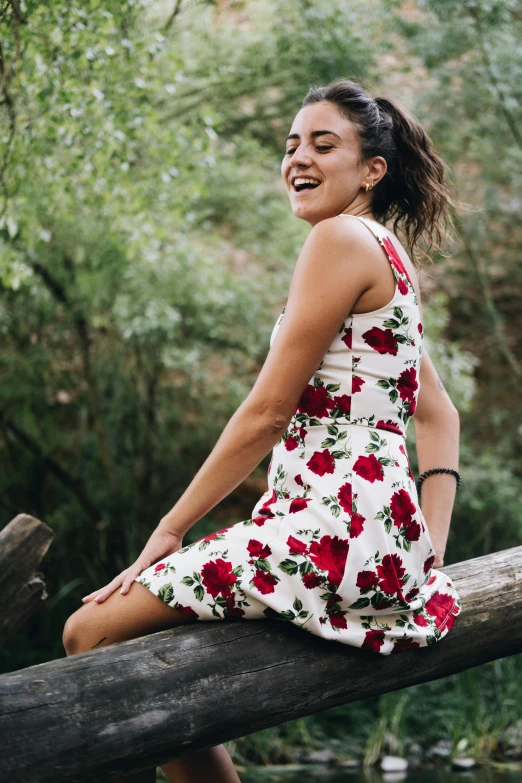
337 544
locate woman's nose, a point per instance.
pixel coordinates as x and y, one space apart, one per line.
301 159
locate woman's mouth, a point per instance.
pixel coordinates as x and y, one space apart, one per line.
304 185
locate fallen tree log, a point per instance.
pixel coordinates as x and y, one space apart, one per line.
23 544
143 702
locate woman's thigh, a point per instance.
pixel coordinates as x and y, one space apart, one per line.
120 617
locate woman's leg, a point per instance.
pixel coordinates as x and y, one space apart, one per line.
122 617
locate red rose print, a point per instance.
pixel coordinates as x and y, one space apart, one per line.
431 580
314 401
407 384
347 337
298 480
439 605
428 564
403 288
389 425
217 577
410 595
291 443
421 620
366 580
343 404
412 532
159 568
412 406
265 511
258 550
405 643
356 525
373 640
311 580
212 536
187 610
231 609
298 504
329 554
394 257
402 508
383 603
334 598
419 327
357 384
337 619
381 340
321 462
345 497
369 468
390 573
297 547
264 581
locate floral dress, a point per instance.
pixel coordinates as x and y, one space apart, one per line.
337 544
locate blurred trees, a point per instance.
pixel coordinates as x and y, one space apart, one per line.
146 246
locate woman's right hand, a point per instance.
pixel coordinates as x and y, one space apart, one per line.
160 544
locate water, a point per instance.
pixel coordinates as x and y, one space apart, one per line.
314 773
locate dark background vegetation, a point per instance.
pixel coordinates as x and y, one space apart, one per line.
146 247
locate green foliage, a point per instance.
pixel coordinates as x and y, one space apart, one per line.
146 247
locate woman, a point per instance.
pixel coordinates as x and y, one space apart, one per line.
338 543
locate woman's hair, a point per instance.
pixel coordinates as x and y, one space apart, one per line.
413 191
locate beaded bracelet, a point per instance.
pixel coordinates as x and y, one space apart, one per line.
437 470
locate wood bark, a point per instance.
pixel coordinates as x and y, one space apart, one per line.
23 543
143 702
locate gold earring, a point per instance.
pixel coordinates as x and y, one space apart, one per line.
368 187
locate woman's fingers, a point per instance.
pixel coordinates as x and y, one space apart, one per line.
105 592
129 579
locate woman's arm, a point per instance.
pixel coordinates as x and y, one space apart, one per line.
332 271
437 432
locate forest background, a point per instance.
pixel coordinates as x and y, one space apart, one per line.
146 248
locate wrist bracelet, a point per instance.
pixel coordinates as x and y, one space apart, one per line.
427 473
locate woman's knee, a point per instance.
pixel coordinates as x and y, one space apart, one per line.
79 631
117 619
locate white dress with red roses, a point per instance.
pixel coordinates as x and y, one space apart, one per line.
337 544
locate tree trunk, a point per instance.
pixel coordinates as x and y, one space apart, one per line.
23 543
146 701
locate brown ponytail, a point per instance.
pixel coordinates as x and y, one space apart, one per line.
413 192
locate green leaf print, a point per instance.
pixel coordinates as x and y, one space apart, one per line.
288 614
333 387
187 580
361 603
398 313
383 384
297 605
391 323
199 592
166 592
289 567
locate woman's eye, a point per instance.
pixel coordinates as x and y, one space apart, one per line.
289 152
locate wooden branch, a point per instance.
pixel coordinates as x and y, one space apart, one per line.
146 701
23 544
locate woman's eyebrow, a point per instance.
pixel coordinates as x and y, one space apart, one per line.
314 134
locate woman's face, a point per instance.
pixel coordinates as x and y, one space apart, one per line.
333 159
